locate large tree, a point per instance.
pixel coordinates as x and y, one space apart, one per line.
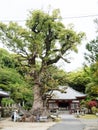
41 43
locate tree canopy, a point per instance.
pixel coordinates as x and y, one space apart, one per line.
41 43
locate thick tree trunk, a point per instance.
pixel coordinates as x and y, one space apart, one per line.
38 102
38 107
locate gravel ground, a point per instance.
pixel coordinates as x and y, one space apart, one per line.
90 124
9 125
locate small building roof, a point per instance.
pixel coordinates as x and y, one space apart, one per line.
69 95
3 93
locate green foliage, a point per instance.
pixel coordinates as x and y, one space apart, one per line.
92 86
92 47
7 101
94 110
47 79
92 57
44 39
41 37
5 59
10 60
61 76
78 80
92 90
12 81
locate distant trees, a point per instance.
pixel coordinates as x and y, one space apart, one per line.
11 80
92 58
78 80
86 79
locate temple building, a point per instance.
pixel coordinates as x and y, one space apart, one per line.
69 101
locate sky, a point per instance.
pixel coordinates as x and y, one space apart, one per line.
72 11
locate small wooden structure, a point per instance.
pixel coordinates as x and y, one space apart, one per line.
3 94
69 101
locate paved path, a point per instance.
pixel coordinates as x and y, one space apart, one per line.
69 122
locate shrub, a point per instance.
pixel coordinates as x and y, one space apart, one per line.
92 104
7 101
94 110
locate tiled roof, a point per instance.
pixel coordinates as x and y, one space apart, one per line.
70 94
3 94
